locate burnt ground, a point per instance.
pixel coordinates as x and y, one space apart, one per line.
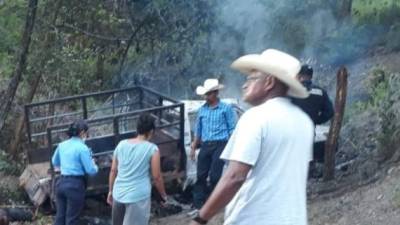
374 204
377 203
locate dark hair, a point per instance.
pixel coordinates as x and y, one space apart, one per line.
145 124
306 70
77 127
211 92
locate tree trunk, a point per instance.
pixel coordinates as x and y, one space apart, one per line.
344 9
13 150
100 67
334 130
125 54
8 97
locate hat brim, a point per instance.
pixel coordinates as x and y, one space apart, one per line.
247 63
200 90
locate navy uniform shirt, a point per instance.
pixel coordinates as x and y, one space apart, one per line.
318 106
73 157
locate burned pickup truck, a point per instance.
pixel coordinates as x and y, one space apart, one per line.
111 116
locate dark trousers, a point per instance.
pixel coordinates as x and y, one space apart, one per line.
319 152
208 165
70 200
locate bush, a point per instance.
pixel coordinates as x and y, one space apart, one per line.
8 167
389 112
384 100
396 197
8 196
392 39
382 12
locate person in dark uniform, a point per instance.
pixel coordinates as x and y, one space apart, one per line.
73 158
318 106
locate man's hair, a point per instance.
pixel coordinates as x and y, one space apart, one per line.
306 70
210 92
145 124
281 86
77 127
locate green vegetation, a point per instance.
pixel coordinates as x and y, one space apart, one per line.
80 46
377 11
384 97
8 196
396 197
378 89
7 166
43 220
11 21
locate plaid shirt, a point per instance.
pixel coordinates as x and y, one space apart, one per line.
215 123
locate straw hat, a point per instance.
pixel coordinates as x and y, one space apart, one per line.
276 63
209 85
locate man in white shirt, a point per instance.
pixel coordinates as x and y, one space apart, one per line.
268 152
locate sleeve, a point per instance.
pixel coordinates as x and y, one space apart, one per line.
198 125
327 110
230 119
117 150
154 149
56 158
87 161
245 144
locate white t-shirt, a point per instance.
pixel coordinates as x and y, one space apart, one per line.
276 139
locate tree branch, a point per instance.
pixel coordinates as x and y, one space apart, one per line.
93 35
84 32
129 45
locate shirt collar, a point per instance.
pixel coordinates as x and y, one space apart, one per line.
77 139
214 107
307 84
276 99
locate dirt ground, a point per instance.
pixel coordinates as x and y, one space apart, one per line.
374 204
183 220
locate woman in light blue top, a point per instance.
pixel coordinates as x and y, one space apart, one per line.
135 161
74 160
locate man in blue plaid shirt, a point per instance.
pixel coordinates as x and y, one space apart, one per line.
214 125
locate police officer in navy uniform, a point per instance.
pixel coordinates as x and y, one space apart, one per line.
73 158
318 106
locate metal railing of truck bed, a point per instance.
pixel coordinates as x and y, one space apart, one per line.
98 107
46 113
115 120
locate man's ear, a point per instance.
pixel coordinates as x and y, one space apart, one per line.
269 83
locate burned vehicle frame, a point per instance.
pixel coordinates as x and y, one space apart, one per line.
111 116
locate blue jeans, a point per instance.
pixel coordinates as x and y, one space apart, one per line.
70 200
208 165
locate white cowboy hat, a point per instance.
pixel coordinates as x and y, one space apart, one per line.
209 85
276 63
